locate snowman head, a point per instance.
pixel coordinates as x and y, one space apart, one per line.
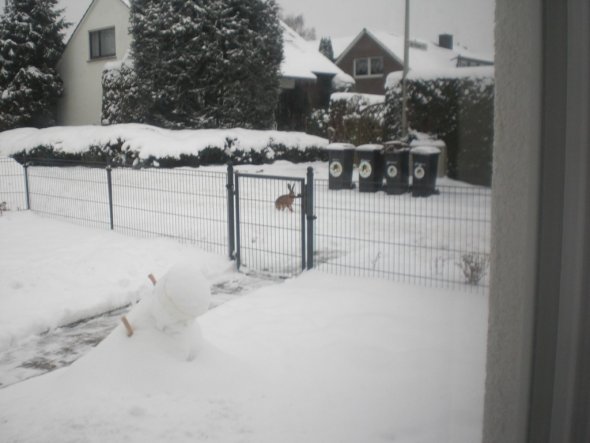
180 296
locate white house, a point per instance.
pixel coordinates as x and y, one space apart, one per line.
102 36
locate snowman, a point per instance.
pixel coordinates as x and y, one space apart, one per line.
170 311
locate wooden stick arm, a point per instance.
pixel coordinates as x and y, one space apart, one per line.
127 325
124 319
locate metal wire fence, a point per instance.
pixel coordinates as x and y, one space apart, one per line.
185 204
270 224
73 192
442 240
12 185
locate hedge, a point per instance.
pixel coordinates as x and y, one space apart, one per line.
458 110
352 118
115 155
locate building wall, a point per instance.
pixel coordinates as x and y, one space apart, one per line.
366 47
515 203
537 387
82 99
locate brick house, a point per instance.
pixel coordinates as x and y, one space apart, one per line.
372 55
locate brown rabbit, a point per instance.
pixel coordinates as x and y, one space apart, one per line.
286 200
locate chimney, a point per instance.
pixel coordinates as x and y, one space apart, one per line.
445 41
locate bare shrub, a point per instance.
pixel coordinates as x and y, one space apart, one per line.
474 266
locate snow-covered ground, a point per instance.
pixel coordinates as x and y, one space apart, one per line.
315 359
56 273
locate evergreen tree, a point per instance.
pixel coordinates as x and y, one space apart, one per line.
326 48
251 53
31 43
207 63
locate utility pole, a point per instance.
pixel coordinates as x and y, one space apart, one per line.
406 67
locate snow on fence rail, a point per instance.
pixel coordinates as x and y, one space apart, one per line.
440 241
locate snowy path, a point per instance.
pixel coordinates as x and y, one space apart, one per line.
62 346
57 281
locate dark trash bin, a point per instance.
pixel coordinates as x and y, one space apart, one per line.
341 161
370 167
397 167
424 170
442 158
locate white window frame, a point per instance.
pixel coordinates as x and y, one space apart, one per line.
101 52
370 73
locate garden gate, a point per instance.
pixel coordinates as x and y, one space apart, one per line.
273 228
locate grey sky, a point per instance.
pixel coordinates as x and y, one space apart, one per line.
470 21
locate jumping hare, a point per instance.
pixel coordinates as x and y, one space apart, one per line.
286 200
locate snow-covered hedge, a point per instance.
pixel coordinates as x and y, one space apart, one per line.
121 101
456 106
352 118
144 145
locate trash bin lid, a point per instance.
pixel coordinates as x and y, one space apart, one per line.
425 150
340 146
369 147
396 145
429 142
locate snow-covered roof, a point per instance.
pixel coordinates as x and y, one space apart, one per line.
302 59
339 44
424 55
466 53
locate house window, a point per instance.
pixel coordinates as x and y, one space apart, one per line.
376 65
102 43
367 66
361 67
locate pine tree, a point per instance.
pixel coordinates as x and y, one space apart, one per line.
167 49
252 50
31 43
326 48
207 63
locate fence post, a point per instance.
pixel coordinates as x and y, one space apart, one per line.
310 216
230 212
303 226
237 201
27 194
110 189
